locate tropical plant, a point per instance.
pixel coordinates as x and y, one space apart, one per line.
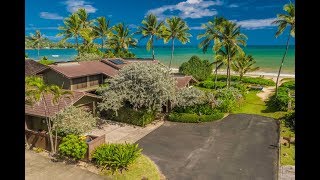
190 97
284 20
121 39
228 99
142 85
243 64
36 40
199 69
73 120
35 91
73 146
176 28
46 61
116 156
89 57
151 29
71 29
102 29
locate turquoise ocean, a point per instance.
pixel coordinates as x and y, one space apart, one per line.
268 58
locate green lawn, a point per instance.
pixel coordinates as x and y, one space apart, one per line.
142 167
254 105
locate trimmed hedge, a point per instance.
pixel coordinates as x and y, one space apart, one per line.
289 84
246 79
194 118
204 109
281 102
131 116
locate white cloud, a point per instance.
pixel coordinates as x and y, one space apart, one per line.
41 28
132 26
188 9
47 15
74 5
196 28
256 23
233 5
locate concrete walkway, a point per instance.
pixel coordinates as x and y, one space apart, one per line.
117 132
287 173
39 167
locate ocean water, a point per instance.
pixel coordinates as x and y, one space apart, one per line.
268 58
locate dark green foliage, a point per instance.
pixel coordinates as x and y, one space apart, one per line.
199 69
184 117
197 109
194 118
131 116
247 80
73 146
281 102
241 87
210 84
116 156
289 84
290 120
228 99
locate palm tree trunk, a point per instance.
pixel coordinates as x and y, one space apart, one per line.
102 43
228 73
171 53
48 124
216 78
39 51
77 44
285 53
152 48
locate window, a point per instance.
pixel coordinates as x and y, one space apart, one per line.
80 83
94 80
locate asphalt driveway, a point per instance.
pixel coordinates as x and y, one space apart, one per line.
241 146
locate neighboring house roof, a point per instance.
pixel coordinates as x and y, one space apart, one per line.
39 110
85 68
182 81
113 61
32 67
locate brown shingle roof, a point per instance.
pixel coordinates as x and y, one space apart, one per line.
182 81
32 67
39 110
78 69
127 61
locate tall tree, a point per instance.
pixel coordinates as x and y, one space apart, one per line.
243 64
121 38
102 29
283 21
36 40
151 29
71 29
176 28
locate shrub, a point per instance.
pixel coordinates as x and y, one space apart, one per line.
131 116
241 87
210 84
88 57
281 102
46 61
290 120
205 109
247 80
73 120
212 117
184 117
73 146
190 97
289 84
199 69
116 156
228 99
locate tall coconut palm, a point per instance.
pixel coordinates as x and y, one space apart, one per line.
151 29
36 40
243 64
176 28
102 29
230 40
84 18
121 39
284 20
71 29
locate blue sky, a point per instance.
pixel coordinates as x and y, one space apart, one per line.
254 16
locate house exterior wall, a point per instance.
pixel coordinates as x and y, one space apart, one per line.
52 77
35 123
88 102
86 82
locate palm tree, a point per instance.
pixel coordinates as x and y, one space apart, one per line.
150 29
229 40
102 30
121 39
71 29
284 20
84 18
243 64
36 39
176 28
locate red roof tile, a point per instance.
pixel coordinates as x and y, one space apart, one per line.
78 69
39 110
32 67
